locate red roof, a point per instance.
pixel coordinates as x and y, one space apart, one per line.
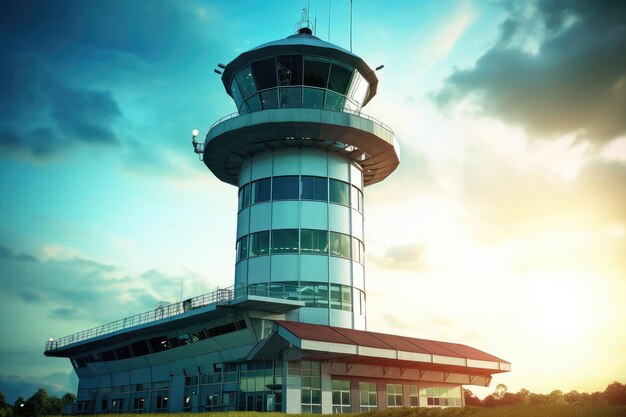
330 334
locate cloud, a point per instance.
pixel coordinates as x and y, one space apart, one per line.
41 116
55 383
65 313
573 81
6 253
409 256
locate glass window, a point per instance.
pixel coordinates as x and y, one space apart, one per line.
339 79
346 298
269 99
284 240
261 190
140 348
314 241
244 196
367 396
286 188
236 92
159 344
254 103
358 250
259 244
394 395
242 248
314 188
414 400
246 81
339 192
264 73
334 101
339 244
289 69
356 198
290 97
313 98
340 396
316 71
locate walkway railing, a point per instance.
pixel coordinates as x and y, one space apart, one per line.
220 296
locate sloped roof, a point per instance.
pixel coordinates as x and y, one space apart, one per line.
392 347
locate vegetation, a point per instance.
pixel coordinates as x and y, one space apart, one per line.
501 403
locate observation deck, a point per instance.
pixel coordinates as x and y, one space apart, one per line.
245 297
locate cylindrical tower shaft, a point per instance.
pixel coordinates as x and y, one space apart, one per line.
301 153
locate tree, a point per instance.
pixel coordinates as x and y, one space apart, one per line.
471 398
501 389
556 397
18 407
36 404
615 393
5 409
68 398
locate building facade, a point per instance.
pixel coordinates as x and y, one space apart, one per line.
291 333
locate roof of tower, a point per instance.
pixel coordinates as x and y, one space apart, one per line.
302 43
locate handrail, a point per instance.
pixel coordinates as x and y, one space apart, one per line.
342 110
220 296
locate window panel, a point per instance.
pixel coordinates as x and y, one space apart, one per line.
313 98
254 103
236 92
289 69
269 99
246 81
285 240
316 71
334 101
339 192
264 73
339 244
242 248
286 188
261 190
259 244
314 188
314 241
244 196
339 79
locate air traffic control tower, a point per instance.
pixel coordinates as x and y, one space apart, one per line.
290 335
301 152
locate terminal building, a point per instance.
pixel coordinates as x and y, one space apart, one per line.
291 334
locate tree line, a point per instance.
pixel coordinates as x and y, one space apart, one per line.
39 404
614 394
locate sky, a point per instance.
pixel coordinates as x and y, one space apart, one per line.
504 227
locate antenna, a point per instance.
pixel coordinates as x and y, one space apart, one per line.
350 25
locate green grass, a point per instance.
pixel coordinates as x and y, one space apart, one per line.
567 410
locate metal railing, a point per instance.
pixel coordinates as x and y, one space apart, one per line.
220 296
328 108
281 291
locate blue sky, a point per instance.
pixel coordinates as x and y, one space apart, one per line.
510 115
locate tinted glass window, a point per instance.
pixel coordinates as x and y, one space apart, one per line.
339 244
269 99
261 190
334 101
339 79
245 81
123 352
236 92
242 248
313 98
285 240
264 73
244 196
339 192
286 188
316 71
289 69
314 188
254 103
290 97
259 244
140 348
356 198
314 241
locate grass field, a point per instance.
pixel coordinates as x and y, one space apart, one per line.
569 410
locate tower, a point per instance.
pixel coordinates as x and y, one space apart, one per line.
301 153
290 335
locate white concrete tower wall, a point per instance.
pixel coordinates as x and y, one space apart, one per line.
318 213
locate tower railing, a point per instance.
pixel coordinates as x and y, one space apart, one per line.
327 108
217 297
